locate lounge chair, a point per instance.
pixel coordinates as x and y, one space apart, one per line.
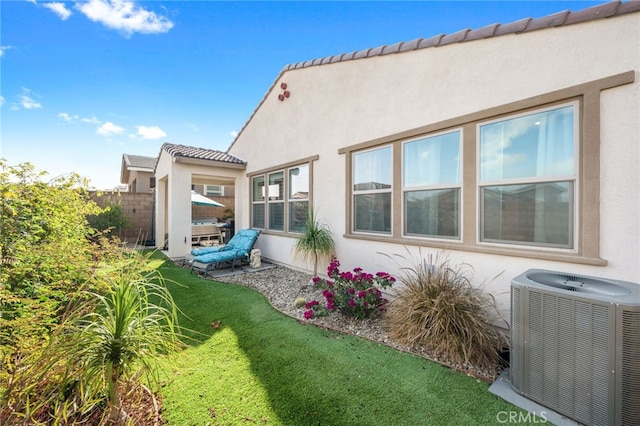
236 251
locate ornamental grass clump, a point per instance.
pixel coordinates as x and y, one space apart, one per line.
355 294
314 242
438 308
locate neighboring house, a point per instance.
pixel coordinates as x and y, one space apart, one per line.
511 147
137 173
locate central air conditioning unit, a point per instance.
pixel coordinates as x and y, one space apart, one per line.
575 345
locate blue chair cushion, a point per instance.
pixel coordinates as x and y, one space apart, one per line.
219 257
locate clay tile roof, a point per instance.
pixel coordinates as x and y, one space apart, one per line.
565 17
483 32
513 27
362 54
431 41
456 37
602 11
548 21
199 153
394 48
410 45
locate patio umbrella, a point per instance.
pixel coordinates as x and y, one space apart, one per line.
201 200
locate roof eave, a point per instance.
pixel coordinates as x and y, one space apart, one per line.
566 17
205 162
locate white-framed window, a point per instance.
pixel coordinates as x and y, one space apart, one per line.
214 190
530 178
372 190
432 185
281 197
527 178
257 202
298 197
275 200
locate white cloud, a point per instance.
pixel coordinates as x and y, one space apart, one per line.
29 103
68 118
3 48
92 120
109 128
234 134
125 16
59 9
26 101
153 132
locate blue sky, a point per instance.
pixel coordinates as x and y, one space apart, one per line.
81 83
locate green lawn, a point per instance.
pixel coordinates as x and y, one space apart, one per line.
263 367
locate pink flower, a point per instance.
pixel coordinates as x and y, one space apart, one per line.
315 280
351 290
311 304
352 303
333 267
330 305
346 276
328 294
308 314
362 294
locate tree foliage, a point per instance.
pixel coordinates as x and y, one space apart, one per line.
111 220
45 253
79 316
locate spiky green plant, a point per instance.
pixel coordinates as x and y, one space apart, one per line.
438 308
134 323
315 241
106 340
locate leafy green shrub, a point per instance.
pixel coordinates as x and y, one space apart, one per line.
438 308
111 219
356 294
104 344
54 271
45 255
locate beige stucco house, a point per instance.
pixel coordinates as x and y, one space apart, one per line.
511 147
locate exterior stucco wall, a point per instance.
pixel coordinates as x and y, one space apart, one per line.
173 206
173 199
142 181
347 103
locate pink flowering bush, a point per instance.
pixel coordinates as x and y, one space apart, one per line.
314 310
353 293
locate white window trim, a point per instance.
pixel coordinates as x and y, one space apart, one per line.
218 193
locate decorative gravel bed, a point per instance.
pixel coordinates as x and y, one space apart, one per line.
281 286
